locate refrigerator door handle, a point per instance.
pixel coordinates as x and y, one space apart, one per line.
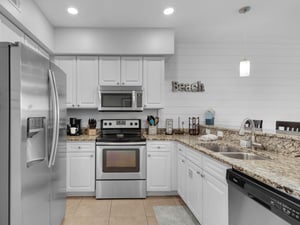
57 121
55 118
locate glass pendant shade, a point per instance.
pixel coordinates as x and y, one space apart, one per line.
245 68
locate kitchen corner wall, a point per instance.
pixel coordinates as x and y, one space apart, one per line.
271 92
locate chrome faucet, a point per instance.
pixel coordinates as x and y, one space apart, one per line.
242 133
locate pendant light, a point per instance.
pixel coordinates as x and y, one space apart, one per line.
245 63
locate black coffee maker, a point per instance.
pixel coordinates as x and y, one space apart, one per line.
75 127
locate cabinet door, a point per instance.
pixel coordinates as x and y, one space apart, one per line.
194 190
153 79
158 171
80 172
181 176
68 65
87 81
131 71
215 194
109 70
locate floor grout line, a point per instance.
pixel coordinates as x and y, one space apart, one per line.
109 212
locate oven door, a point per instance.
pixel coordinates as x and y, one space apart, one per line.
117 162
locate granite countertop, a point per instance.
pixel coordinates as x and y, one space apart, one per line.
83 137
280 171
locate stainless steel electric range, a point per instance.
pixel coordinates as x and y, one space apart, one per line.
121 160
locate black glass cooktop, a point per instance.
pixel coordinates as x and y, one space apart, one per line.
120 138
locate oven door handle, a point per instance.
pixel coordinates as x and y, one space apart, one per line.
121 143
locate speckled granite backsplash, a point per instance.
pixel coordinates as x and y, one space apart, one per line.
279 143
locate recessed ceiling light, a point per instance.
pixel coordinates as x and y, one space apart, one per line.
169 11
72 10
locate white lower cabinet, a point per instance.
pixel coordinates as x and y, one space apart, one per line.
158 171
202 185
159 166
80 167
215 198
181 176
194 198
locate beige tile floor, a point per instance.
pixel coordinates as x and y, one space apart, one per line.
89 211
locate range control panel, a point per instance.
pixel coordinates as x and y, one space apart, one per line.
120 123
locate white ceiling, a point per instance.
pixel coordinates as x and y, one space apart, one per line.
202 20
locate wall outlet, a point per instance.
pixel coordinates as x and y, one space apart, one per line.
220 133
207 131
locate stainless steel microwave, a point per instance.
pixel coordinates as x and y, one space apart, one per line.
116 98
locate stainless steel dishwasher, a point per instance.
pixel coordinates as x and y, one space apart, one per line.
254 203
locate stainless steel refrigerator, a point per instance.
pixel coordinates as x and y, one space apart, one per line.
32 138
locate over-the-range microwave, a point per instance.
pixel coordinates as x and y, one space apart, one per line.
123 98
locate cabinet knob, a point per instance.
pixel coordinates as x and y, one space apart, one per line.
118 83
149 155
198 172
92 156
180 150
73 105
145 106
182 160
158 147
78 105
123 83
202 175
79 147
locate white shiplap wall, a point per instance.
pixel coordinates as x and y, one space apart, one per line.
271 93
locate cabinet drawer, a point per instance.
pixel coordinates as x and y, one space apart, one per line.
194 157
215 168
158 146
82 147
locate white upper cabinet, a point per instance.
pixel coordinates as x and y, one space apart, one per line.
131 71
87 80
153 81
109 70
82 80
125 71
68 65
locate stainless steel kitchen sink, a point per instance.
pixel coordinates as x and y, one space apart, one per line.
219 148
244 156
